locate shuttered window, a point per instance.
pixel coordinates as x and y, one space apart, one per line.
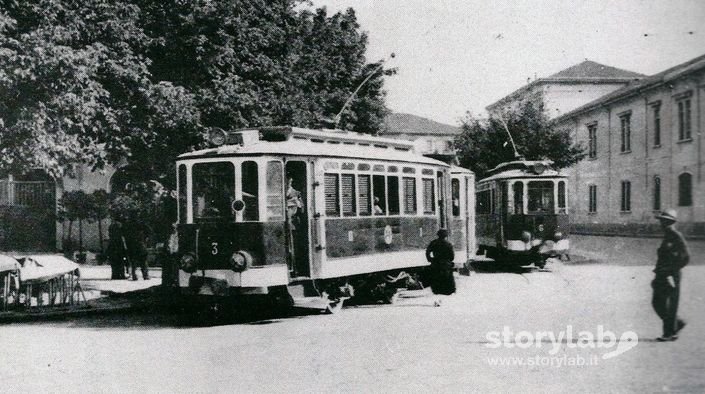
410 195
348 190
331 192
363 190
428 196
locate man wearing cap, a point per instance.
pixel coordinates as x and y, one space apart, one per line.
672 256
440 254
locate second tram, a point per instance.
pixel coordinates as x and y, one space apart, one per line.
522 213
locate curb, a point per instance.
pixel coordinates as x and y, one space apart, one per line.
77 311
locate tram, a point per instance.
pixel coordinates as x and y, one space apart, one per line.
522 213
313 216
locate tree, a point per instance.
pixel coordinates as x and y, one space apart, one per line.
484 143
75 85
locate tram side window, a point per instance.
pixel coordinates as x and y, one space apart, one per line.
561 196
275 191
428 196
455 191
249 191
331 192
393 197
483 203
379 192
540 197
213 190
348 190
409 195
182 194
363 198
518 188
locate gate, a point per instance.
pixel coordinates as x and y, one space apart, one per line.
27 215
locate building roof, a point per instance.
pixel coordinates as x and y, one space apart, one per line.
593 70
638 86
585 72
400 123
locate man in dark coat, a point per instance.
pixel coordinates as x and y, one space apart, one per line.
136 235
672 256
440 254
117 249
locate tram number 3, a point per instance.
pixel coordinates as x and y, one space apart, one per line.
214 248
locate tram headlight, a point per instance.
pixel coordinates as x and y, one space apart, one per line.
526 236
240 260
558 236
188 262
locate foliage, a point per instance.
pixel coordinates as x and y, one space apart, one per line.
483 144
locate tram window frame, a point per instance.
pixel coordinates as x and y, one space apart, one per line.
275 191
551 207
330 180
201 183
348 204
393 198
409 186
518 196
429 195
562 197
250 177
379 190
455 196
364 194
483 204
182 182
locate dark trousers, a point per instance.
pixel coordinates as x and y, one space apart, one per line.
665 302
140 261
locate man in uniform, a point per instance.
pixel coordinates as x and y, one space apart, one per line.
672 256
440 254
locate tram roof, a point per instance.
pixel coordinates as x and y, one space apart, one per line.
318 143
523 169
460 170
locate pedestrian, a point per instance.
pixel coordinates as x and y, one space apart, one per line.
136 234
672 256
440 254
117 249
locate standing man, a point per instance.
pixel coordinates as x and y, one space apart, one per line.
117 250
136 235
672 256
440 254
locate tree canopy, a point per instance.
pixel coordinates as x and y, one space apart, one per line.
139 81
484 143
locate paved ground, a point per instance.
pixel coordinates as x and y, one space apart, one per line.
412 347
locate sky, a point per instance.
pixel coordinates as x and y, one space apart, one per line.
458 56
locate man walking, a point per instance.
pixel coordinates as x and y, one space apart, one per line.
672 256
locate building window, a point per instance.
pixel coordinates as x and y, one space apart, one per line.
626 127
592 197
684 124
626 196
657 124
685 190
409 195
657 193
592 141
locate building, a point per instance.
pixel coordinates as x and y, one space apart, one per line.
430 138
568 89
645 153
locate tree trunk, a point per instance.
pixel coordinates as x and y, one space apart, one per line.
100 235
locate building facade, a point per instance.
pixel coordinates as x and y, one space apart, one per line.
567 89
645 154
430 138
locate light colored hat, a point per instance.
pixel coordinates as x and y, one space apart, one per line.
668 214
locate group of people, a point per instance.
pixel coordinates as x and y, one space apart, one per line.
127 249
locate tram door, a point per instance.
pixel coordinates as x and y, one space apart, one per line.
441 199
297 208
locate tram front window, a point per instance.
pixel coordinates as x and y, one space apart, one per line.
213 190
540 197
